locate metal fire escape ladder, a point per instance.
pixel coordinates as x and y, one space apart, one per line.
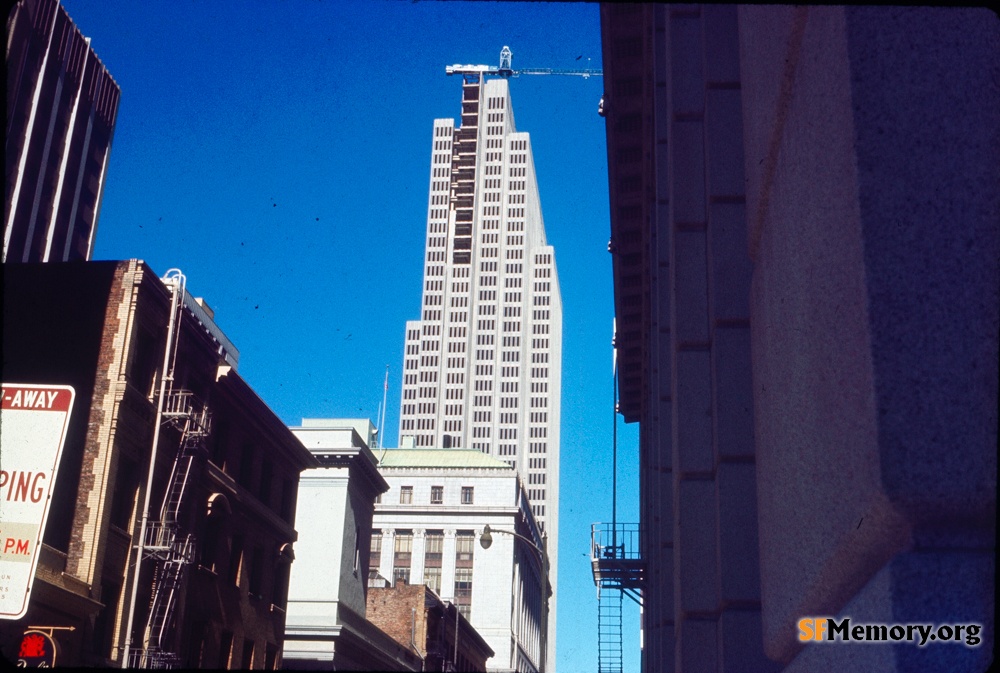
616 561
164 541
609 630
167 542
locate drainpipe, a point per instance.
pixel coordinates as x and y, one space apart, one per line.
457 613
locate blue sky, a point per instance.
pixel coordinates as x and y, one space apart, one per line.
278 153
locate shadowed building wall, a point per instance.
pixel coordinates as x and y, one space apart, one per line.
805 236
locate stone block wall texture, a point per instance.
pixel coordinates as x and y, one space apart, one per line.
702 604
872 149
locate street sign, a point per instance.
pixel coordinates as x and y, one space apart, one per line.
33 424
38 650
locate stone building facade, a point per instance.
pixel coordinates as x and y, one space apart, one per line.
426 530
327 626
804 230
101 327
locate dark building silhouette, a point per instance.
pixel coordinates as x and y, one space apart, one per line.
61 110
217 547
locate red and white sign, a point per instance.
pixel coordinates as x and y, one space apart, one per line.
33 424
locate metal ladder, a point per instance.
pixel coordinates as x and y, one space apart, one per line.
619 571
165 542
609 630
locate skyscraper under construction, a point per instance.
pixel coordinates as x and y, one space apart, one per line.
482 366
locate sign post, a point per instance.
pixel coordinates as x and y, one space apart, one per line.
33 424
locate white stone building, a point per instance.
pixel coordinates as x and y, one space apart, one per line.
426 530
326 625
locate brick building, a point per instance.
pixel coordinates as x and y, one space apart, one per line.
804 230
102 327
417 618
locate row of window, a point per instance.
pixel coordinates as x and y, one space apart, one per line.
433 551
437 495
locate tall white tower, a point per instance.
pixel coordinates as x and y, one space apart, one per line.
482 367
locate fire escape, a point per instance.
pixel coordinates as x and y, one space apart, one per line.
166 541
616 561
619 570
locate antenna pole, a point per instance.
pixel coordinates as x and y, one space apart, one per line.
614 438
381 423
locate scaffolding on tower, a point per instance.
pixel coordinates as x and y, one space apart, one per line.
616 562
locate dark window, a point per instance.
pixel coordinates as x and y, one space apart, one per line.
123 501
402 554
196 652
235 560
247 460
226 650
220 442
103 624
266 473
257 571
145 361
247 662
281 585
271 658
287 500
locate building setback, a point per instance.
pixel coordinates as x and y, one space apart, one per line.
804 219
102 327
61 111
482 366
426 530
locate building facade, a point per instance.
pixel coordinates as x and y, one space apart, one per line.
102 327
327 628
61 111
804 213
416 617
427 529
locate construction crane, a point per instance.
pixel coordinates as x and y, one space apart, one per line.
505 70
